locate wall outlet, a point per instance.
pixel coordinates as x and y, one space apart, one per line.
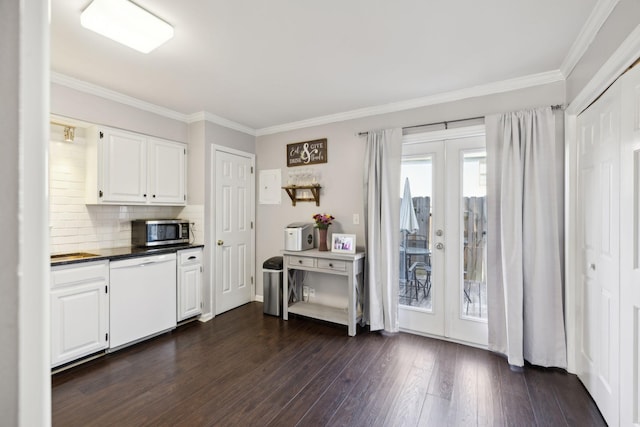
305 292
312 293
356 219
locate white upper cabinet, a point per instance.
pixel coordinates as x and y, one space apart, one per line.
124 163
167 171
127 168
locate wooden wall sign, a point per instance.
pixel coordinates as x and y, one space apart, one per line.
307 153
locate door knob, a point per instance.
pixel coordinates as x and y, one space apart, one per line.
440 246
220 242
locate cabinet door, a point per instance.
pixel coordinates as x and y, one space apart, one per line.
189 291
124 162
78 321
167 161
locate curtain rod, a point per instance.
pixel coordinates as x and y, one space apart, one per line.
446 123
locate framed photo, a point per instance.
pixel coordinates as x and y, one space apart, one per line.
343 243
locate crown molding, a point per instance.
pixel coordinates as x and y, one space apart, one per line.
587 34
210 117
624 57
92 89
472 92
457 95
112 95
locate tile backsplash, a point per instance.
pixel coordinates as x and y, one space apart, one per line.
75 226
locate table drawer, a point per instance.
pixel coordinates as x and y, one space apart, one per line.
302 261
332 264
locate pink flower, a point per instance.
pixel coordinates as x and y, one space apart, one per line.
323 221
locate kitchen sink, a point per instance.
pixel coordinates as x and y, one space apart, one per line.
72 256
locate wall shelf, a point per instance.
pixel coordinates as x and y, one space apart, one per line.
292 191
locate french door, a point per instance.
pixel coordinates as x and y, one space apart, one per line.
442 284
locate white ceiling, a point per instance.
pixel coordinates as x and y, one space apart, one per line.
268 63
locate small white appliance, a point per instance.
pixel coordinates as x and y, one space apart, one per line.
298 236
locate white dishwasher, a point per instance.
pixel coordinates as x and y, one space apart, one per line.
143 298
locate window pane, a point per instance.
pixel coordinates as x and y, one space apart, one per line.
415 250
474 244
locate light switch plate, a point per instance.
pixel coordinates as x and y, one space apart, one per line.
356 219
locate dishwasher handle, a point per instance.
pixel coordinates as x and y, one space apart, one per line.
142 262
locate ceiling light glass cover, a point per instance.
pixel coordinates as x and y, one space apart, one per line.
126 23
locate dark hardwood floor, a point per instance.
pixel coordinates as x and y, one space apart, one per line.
245 368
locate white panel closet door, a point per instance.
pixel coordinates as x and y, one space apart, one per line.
630 250
599 235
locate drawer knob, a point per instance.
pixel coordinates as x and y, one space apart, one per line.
330 264
300 261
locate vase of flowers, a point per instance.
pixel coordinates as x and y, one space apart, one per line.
323 221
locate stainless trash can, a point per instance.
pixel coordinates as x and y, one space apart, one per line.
272 286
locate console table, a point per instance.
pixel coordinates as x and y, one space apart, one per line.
351 266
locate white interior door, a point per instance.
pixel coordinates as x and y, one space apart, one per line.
234 201
443 288
630 250
599 231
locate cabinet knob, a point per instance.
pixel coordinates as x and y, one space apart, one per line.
154 196
331 264
145 195
300 261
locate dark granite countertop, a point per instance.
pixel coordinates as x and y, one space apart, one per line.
113 254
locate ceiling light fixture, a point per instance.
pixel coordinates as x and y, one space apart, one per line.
126 23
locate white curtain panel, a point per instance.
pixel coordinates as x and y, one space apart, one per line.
525 280
382 228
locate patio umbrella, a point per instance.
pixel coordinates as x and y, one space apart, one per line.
408 224
408 219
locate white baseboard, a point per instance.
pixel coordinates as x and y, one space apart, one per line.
205 317
258 298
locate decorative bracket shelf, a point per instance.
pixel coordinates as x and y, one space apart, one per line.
292 191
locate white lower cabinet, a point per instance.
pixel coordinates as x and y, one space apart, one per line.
79 310
189 283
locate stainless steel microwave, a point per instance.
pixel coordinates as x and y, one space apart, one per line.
159 232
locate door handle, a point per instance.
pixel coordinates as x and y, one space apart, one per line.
440 246
220 242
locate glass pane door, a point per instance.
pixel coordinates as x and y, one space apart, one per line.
442 283
415 258
421 285
473 209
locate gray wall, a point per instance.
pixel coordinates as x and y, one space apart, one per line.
342 177
9 175
97 110
622 21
